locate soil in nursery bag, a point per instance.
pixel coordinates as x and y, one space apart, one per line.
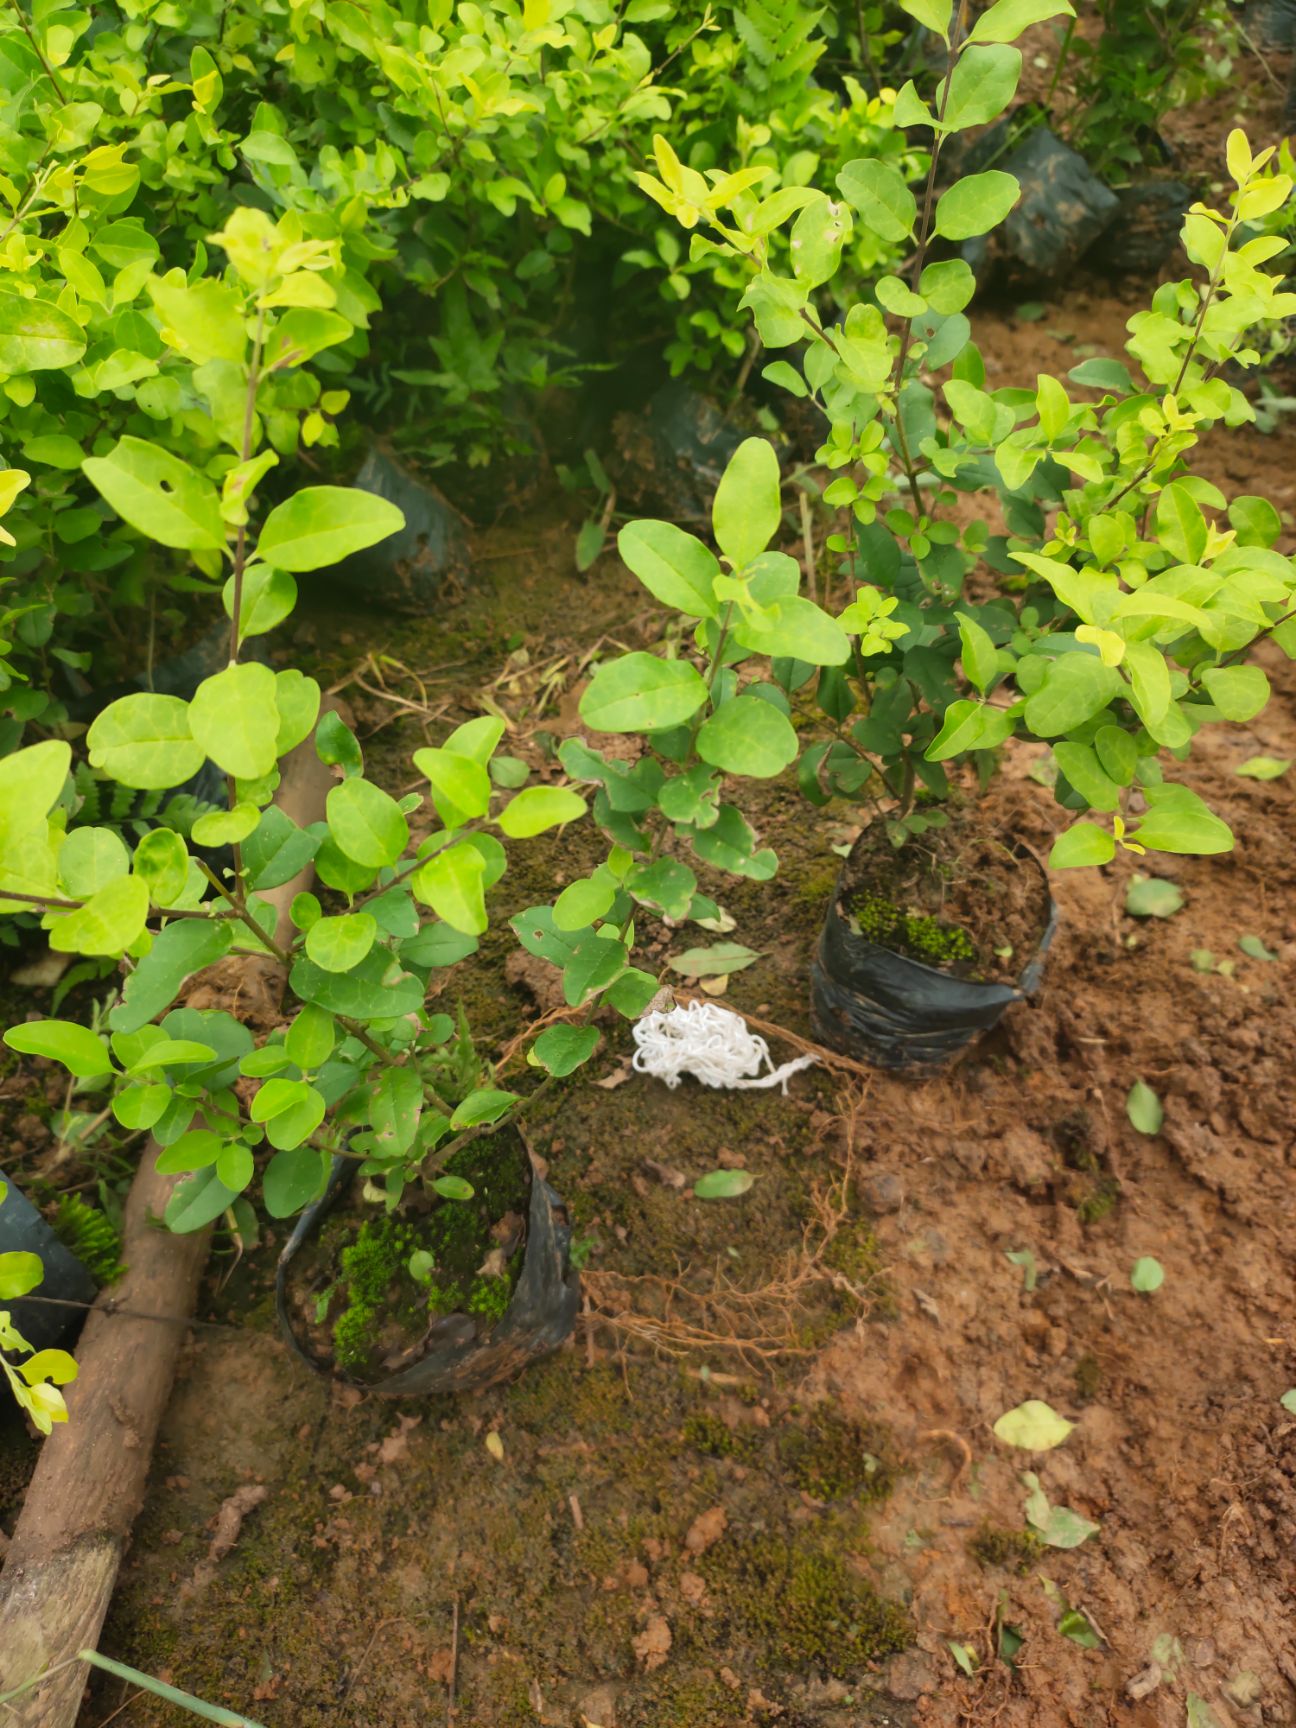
1146 228
23 1230
1062 210
926 946
443 1295
408 571
669 455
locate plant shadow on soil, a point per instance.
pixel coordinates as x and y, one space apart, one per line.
792 1533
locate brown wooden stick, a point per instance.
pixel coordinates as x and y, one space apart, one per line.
90 1479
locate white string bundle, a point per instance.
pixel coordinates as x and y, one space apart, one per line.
711 1043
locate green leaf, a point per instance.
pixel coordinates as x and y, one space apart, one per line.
141 1106
932 14
269 597
1058 1526
366 822
197 1201
723 1184
322 525
293 1179
290 1109
675 567
275 851
19 1273
1178 821
336 744
453 1188
297 698
31 781
235 717
1264 767
1076 687
640 693
1255 949
203 320
948 286
716 962
1143 1108
461 786
181 949
144 741
1117 754
1239 692
976 204
964 1656
981 86
878 194
1034 1426
747 508
1256 521
1151 897
980 656
234 1165
91 858
451 883
583 902
1181 527
969 726
226 827
1288 1401
108 922
37 336
538 808
748 736
795 629
1007 19
486 1105
81 1051
338 944
596 961
159 494
562 1049
310 1039
1147 1275
1079 1629
1080 764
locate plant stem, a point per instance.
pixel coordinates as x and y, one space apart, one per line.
245 455
920 259
27 31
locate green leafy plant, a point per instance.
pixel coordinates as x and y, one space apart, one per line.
1113 615
1145 59
34 1382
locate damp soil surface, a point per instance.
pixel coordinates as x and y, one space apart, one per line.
760 1484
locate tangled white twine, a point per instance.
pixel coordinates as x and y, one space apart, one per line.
713 1044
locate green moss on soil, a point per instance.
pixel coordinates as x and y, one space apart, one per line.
681 1700
798 1601
1013 1550
705 1432
374 1283
917 934
830 1457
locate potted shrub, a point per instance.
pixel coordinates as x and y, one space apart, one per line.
1103 601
